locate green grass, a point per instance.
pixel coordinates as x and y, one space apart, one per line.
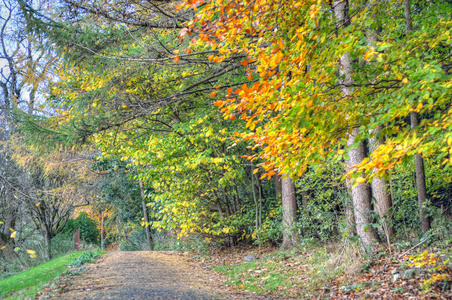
31 281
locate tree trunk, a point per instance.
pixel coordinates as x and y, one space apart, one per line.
362 200
381 193
102 245
380 187
418 160
289 205
147 226
48 245
349 211
361 194
420 181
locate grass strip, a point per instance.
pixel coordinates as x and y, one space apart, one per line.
29 282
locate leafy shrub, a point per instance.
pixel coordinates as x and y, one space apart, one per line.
86 257
136 240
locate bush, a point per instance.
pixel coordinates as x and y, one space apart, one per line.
88 229
136 241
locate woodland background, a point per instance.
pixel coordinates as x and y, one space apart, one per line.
203 124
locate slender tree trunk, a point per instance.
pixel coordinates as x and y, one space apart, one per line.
256 205
102 245
289 205
418 160
147 226
361 194
260 201
420 181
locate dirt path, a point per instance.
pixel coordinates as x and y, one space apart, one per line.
148 275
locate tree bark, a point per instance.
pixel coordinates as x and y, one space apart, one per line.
381 193
289 205
361 194
146 218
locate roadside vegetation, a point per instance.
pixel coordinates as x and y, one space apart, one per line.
27 284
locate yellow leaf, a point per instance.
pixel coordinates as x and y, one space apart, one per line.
3 247
31 252
360 180
37 204
13 235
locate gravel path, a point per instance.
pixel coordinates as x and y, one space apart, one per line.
148 275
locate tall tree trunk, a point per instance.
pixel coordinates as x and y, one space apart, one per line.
289 205
256 205
361 194
362 199
349 211
420 181
418 160
102 244
381 192
147 226
380 187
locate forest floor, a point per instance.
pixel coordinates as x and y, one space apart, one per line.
337 272
146 275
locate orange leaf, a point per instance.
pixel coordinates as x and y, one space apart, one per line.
213 94
232 117
176 58
244 62
219 103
